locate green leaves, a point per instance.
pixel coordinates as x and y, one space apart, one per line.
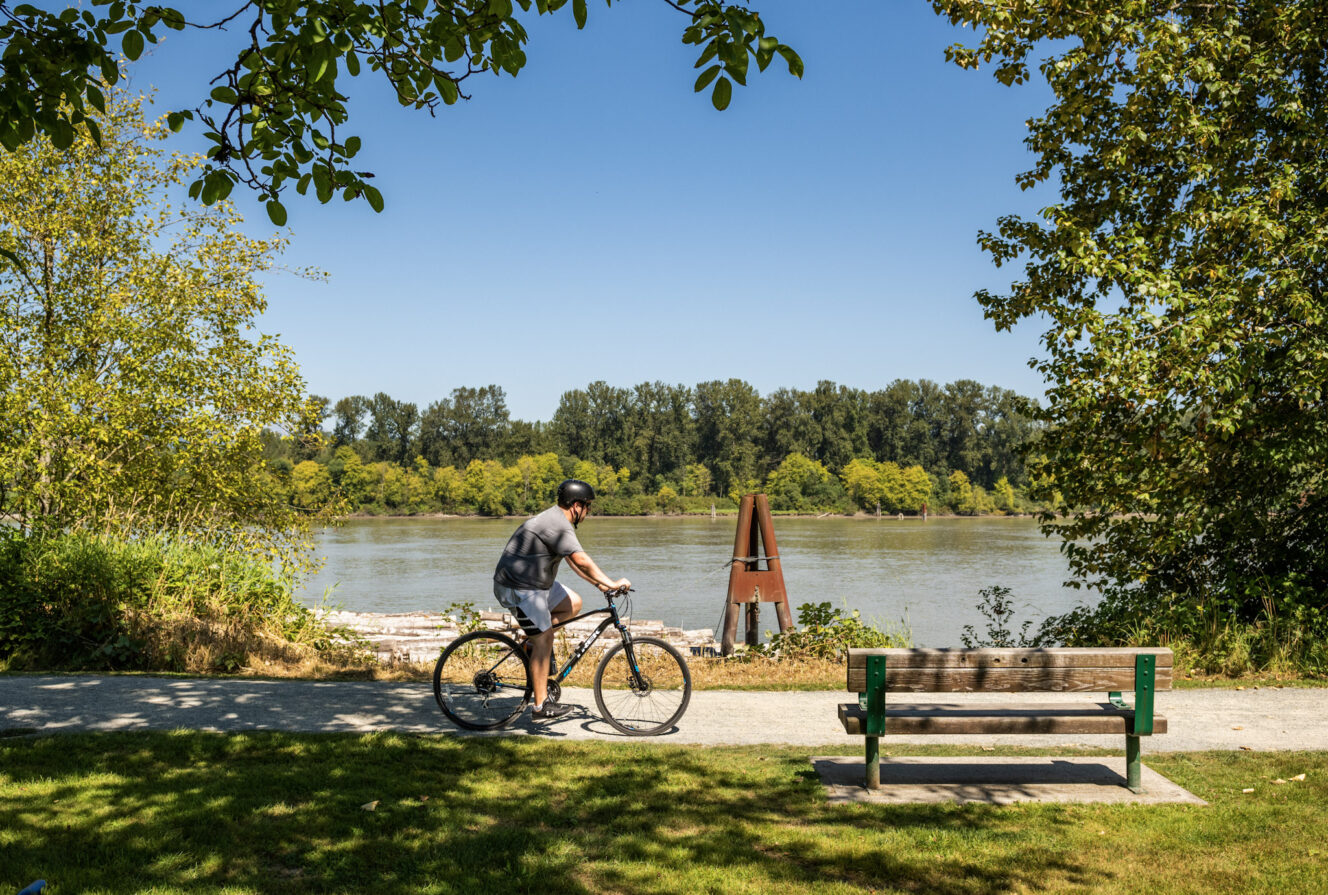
276 113
1180 279
276 212
132 391
722 93
734 36
132 45
706 77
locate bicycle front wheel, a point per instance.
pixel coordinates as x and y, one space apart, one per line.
482 681
649 698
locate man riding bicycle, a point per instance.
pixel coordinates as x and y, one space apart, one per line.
524 581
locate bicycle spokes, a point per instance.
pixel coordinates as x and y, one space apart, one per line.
646 696
481 681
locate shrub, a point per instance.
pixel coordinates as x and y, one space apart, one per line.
826 633
1208 636
75 601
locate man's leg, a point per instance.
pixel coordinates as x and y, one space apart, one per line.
570 606
541 647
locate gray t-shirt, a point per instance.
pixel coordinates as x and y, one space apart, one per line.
530 559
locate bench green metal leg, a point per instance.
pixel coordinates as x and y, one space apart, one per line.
1133 764
873 763
875 721
1145 683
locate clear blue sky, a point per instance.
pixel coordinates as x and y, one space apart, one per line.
595 219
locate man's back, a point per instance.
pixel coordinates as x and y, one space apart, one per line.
530 559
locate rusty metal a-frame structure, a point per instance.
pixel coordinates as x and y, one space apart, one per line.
749 583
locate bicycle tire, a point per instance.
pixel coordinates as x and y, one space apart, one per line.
643 710
482 680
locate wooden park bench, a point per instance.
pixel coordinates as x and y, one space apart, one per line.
874 672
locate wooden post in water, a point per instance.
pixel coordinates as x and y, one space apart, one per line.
749 583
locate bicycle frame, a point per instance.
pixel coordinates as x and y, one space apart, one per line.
613 620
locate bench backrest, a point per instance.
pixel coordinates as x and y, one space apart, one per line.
1064 669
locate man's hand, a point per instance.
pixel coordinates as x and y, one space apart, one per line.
621 583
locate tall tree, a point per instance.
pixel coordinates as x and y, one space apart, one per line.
573 426
349 413
472 424
133 389
787 427
728 424
664 431
1008 430
391 432
961 426
277 111
889 413
1183 280
611 419
924 440
839 413
308 435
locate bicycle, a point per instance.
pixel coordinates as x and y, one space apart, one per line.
642 685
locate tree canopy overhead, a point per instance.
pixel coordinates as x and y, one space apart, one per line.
1181 273
276 114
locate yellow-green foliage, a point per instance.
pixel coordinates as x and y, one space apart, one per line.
893 488
133 387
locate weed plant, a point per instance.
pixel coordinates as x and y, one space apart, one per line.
997 606
825 632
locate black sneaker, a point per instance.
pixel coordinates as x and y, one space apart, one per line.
550 711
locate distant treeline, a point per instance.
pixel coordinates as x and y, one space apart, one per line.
668 448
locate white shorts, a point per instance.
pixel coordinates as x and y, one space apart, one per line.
532 608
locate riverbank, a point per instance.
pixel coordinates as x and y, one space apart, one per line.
726 512
414 638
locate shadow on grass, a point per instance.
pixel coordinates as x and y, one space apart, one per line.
269 812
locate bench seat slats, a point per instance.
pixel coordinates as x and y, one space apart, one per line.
1072 679
935 718
1058 657
1140 670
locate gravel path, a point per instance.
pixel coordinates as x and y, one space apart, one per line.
1256 718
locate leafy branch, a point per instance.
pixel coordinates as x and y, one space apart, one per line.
274 116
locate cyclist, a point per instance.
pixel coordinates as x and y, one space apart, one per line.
524 581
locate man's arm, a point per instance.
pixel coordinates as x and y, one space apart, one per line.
584 566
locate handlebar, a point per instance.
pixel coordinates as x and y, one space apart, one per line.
613 592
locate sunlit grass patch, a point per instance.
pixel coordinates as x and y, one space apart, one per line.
268 812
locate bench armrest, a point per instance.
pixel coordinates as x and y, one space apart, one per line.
873 700
1145 685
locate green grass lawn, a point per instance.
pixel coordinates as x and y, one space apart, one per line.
200 812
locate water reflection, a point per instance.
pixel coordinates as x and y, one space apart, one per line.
926 575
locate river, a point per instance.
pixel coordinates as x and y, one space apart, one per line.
923 576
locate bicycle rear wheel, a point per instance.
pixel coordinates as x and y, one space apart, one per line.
647 703
482 681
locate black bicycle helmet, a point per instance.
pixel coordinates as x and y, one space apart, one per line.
573 490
